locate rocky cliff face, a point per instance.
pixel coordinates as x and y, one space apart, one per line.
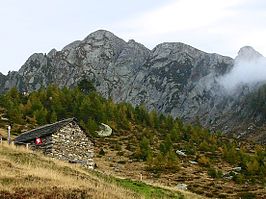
2 80
173 78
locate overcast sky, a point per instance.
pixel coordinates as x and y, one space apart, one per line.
220 26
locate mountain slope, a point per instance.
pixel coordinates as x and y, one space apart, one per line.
123 70
173 78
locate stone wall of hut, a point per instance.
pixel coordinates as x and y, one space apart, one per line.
71 144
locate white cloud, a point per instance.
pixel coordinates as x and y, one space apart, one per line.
220 26
245 73
181 15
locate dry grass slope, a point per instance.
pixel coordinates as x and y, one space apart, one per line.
24 174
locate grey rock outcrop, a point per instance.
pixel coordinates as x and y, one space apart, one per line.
247 53
2 81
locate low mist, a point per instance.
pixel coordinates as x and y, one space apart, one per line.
244 72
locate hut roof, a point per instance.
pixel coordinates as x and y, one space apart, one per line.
43 131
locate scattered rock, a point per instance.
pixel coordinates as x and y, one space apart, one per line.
182 186
181 153
4 119
228 177
105 130
193 162
237 169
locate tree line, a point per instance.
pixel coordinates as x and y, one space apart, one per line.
155 137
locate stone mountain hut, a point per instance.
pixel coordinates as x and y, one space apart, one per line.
64 140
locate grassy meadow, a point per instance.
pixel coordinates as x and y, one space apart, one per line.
27 174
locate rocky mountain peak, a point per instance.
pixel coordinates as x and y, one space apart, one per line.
101 35
176 51
173 46
33 63
176 46
103 42
248 53
52 52
133 43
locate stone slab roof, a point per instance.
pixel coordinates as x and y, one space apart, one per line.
42 131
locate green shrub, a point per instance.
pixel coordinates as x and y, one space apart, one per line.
247 195
102 152
239 178
214 173
204 161
120 153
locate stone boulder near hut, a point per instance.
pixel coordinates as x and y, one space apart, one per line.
104 131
